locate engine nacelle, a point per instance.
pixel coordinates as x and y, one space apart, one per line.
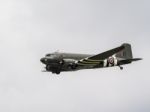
70 63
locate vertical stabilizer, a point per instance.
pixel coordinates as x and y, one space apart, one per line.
126 52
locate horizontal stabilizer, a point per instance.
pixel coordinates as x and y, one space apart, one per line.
136 59
129 60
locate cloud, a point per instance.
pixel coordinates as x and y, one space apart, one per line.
30 29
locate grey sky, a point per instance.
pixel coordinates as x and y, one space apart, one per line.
31 28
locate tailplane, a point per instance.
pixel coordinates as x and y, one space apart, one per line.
126 61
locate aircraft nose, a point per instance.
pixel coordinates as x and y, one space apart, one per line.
42 60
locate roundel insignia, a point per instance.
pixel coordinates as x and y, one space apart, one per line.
111 60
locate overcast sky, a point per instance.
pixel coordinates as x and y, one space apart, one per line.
31 28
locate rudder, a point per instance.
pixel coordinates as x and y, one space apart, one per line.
126 52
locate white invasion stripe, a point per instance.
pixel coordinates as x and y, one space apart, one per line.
86 58
105 63
115 60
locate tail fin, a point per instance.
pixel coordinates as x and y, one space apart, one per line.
126 53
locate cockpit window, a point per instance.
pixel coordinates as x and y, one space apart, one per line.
48 55
52 55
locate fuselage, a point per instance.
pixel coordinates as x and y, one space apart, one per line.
57 56
63 61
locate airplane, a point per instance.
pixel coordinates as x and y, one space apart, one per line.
60 62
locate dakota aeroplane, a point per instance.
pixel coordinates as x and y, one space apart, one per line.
57 62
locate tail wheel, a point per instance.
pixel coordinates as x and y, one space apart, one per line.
121 68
